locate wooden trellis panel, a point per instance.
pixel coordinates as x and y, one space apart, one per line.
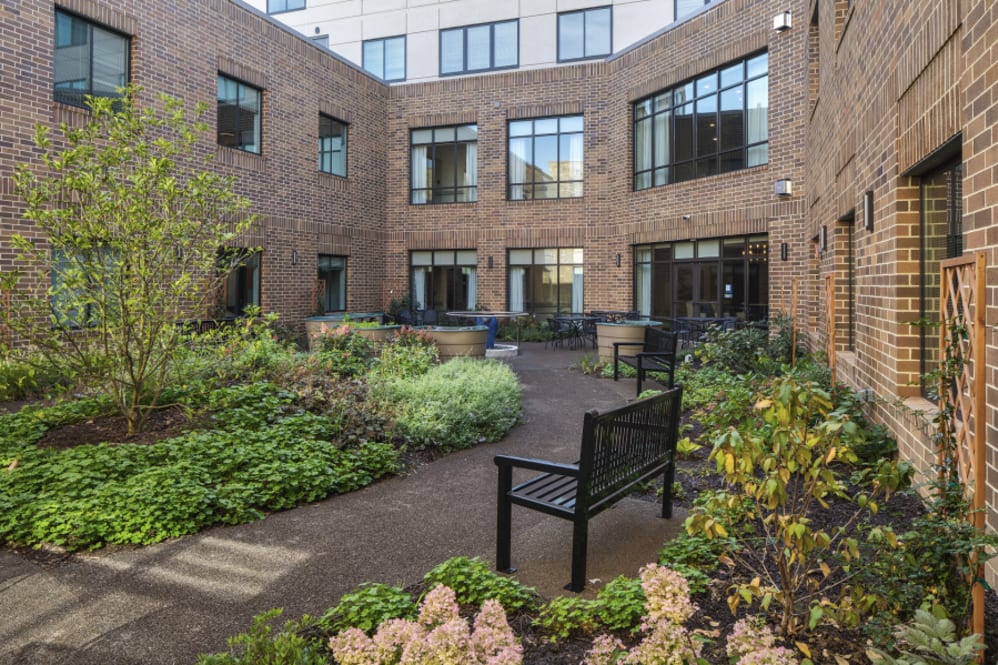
962 302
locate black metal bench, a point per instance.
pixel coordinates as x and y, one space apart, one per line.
620 448
659 355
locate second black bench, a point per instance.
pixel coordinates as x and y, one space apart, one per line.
658 355
620 449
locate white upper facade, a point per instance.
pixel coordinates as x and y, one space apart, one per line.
421 40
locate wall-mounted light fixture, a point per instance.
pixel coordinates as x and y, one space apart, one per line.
490 262
784 187
686 218
178 252
782 21
823 239
868 210
294 257
618 260
784 250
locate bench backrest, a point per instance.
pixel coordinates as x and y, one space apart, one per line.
623 444
661 341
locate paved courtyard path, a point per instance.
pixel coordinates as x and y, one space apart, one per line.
167 603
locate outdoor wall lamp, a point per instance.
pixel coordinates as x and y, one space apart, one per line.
868 210
490 262
784 187
618 260
782 22
294 257
784 250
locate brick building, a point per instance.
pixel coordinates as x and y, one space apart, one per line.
716 167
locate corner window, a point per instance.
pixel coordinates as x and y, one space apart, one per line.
585 34
238 114
278 6
545 281
444 165
545 158
332 146
88 60
332 288
385 58
716 123
480 48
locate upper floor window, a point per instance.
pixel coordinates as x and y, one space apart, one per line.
445 165
716 123
332 146
686 7
585 34
238 114
385 58
278 6
479 48
545 158
89 60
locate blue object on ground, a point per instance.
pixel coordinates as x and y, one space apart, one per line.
492 323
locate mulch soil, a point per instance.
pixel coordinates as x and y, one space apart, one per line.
694 473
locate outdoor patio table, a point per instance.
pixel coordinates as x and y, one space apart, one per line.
576 324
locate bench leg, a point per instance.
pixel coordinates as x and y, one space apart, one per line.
580 538
667 480
504 520
641 375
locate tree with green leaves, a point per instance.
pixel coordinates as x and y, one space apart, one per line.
133 229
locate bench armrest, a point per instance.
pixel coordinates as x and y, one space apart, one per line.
655 354
617 344
537 465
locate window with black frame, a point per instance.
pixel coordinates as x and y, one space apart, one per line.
242 284
444 280
89 59
332 276
941 202
715 123
239 112
587 33
546 281
545 158
444 165
332 146
480 48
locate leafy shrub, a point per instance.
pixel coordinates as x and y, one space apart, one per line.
23 377
930 640
694 556
565 616
346 352
367 607
262 646
409 354
474 582
621 604
455 405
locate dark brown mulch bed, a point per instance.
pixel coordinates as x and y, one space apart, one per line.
161 424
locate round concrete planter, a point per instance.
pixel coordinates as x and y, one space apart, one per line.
454 342
625 331
320 326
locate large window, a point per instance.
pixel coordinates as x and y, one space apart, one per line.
238 114
444 281
242 286
479 48
545 281
445 165
332 283
385 58
585 34
716 123
714 278
89 60
332 146
545 158
278 6
942 238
